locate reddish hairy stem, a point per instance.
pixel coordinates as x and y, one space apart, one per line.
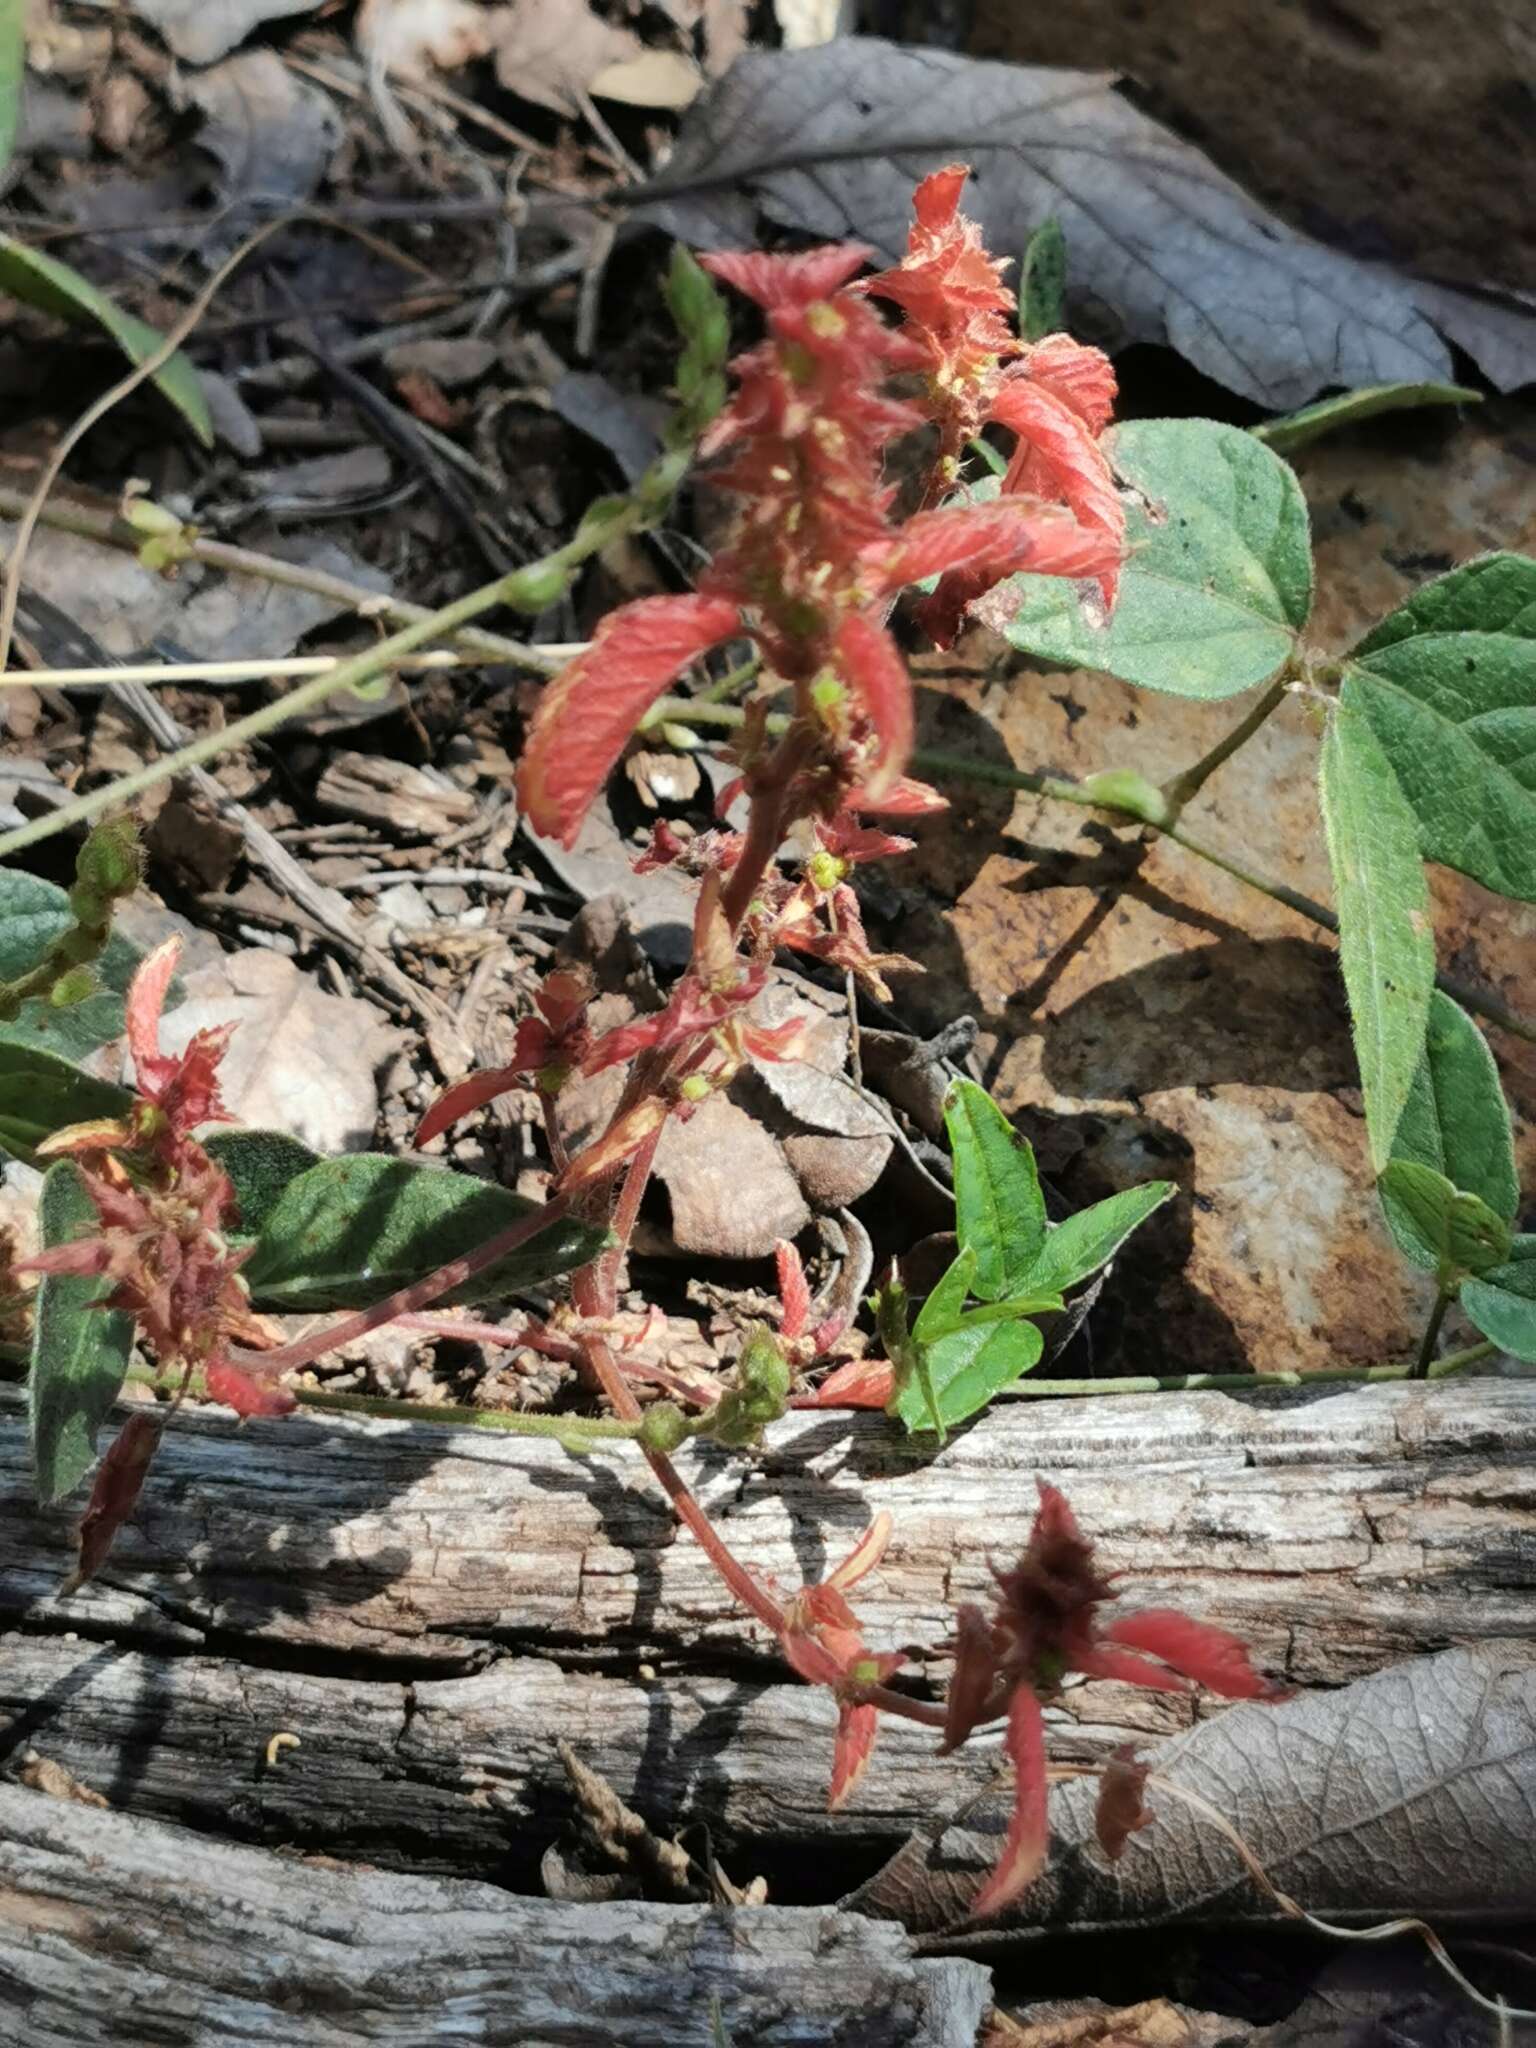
755 1598
405 1300
924 1712
466 1330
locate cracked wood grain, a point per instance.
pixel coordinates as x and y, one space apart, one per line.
117 1929
428 1609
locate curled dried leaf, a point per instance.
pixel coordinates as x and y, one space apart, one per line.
1122 1809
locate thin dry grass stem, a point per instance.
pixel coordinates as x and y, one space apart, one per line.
98 410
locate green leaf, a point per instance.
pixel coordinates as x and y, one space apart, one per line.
1296 429
999 1210
79 1353
1455 1121
13 71
1043 283
968 1367
1502 1302
349 1231
1448 682
1090 1239
32 914
1386 942
260 1164
40 1094
943 1308
1438 1225
57 288
1219 581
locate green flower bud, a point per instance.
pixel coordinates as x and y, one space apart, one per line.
73 987
664 1428
758 1396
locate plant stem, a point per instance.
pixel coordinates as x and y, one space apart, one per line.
153 673
755 1598
1183 788
405 1300
111 531
959 768
361 668
565 1429
1239 1382
1424 1364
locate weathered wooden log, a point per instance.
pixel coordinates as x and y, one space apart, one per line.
427 1610
117 1929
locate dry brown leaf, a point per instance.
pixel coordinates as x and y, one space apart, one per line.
656 78
42 1774
830 140
300 1060
550 51
1089 2023
409 38
1411 1791
202 31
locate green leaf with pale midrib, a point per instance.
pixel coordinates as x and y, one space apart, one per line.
1219 579
41 1093
350 1231
1448 682
60 289
1454 1122
999 1210
79 1353
1502 1303
1090 1239
1346 408
968 1367
1386 942
1440 1226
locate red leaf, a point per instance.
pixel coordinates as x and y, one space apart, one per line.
904 799
1024 1850
1100 1660
245 1392
857 1727
875 671
1081 377
958 536
119 1481
472 1093
1121 1809
144 1003
865 1554
776 281
975 1674
1208 1655
862 1383
794 1294
607 1154
594 704
1059 457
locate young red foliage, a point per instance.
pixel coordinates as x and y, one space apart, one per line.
817 547
548 1045
164 1207
1046 1624
1055 395
114 1495
824 1643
